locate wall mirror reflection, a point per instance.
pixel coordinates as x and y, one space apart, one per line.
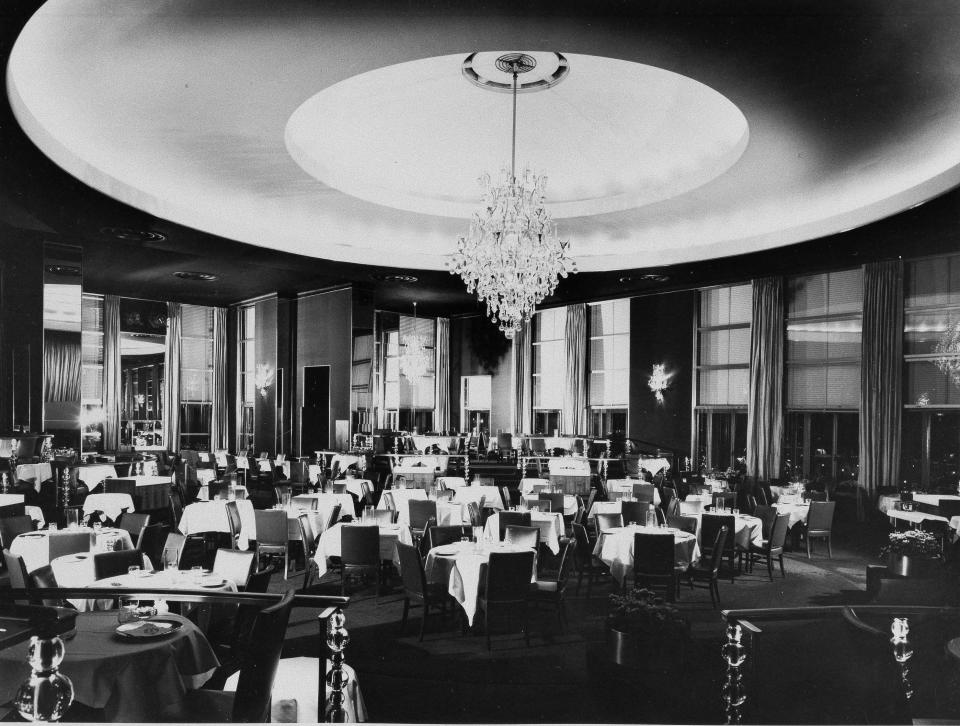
62 291
143 325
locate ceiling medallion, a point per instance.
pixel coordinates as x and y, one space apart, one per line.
511 256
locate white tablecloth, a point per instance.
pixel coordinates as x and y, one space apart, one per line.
450 444
691 506
329 544
463 561
325 503
401 502
798 512
150 479
749 530
93 474
625 486
914 517
205 476
654 464
411 464
203 494
569 465
529 484
451 482
34 547
550 524
110 504
615 548
452 514
569 503
615 507
212 517
490 496
342 461
935 499
37 473
77 571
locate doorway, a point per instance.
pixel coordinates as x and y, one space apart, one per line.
315 411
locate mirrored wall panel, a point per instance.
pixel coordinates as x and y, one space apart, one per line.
62 292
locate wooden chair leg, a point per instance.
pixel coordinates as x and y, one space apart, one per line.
782 571
830 546
423 622
406 611
770 567
486 624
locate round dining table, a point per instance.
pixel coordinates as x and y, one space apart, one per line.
130 679
615 547
550 525
41 547
329 543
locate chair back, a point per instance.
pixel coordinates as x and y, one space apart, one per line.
644 493
522 536
134 523
110 564
653 554
609 520
506 519
173 547
176 508
473 511
421 510
673 508
634 512
233 519
762 496
384 517
360 545
235 565
581 538
334 517
447 534
411 569
17 570
719 543
339 487
120 486
508 576
727 500
10 527
260 658
710 524
505 497
307 537
259 581
820 516
778 534
271 527
45 577
668 495
768 516
555 499
684 524
68 543
590 500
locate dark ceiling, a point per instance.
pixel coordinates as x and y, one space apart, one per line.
131 253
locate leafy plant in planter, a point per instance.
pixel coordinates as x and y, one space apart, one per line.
904 550
644 629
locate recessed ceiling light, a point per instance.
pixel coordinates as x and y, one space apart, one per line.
393 277
132 235
198 276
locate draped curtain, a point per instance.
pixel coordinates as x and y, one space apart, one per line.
765 406
522 354
112 373
575 349
220 422
881 374
61 366
171 386
441 411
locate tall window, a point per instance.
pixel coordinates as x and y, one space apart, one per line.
549 369
723 376
91 382
609 360
246 375
824 330
930 445
409 402
196 377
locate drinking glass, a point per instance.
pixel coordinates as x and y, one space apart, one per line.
196 573
368 513
128 610
133 570
52 526
736 512
285 500
73 520
170 562
464 540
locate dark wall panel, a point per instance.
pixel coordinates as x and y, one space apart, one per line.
661 331
265 409
467 334
323 338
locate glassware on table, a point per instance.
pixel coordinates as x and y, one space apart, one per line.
632 524
73 518
133 570
128 610
52 526
196 573
900 627
285 500
464 540
170 562
477 534
368 514
736 512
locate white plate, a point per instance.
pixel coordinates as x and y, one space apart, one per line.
148 629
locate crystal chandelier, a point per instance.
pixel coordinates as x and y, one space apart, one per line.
414 361
948 351
511 257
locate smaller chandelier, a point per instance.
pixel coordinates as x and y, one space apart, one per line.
414 360
659 381
263 378
948 351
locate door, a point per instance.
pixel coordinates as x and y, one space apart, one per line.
315 411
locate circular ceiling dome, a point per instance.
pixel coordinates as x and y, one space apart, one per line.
614 135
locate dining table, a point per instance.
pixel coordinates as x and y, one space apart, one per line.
39 548
235 491
35 473
796 508
77 570
32 511
625 487
211 516
549 523
131 679
460 566
329 544
93 474
615 548
451 482
569 503
112 505
748 530
483 495
324 502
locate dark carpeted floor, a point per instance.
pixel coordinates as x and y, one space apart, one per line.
451 677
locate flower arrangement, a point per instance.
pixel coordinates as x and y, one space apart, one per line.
641 611
914 542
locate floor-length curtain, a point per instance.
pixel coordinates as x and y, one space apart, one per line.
521 358
112 373
881 395
171 386
575 349
441 411
220 421
765 406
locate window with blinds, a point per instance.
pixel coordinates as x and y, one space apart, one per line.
549 363
824 329
196 376
91 342
723 346
246 375
609 366
361 381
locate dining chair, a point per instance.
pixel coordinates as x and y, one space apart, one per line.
111 564
555 499
68 543
653 563
17 573
767 516
473 512
332 519
173 547
273 536
279 491
360 552
710 524
176 508
258 659
609 520
234 523
634 512
710 574
308 539
506 519
506 588
772 547
585 562
384 517
644 493
235 565
44 577
552 592
684 524
669 495
820 524
120 486
11 527
134 523
416 588
339 487
522 536
447 534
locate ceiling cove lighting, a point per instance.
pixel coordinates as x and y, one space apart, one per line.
511 257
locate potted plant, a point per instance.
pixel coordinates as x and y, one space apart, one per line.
645 630
907 551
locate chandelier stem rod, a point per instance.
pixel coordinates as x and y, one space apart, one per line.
513 144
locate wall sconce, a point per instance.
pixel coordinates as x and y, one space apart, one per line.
659 381
263 378
141 399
